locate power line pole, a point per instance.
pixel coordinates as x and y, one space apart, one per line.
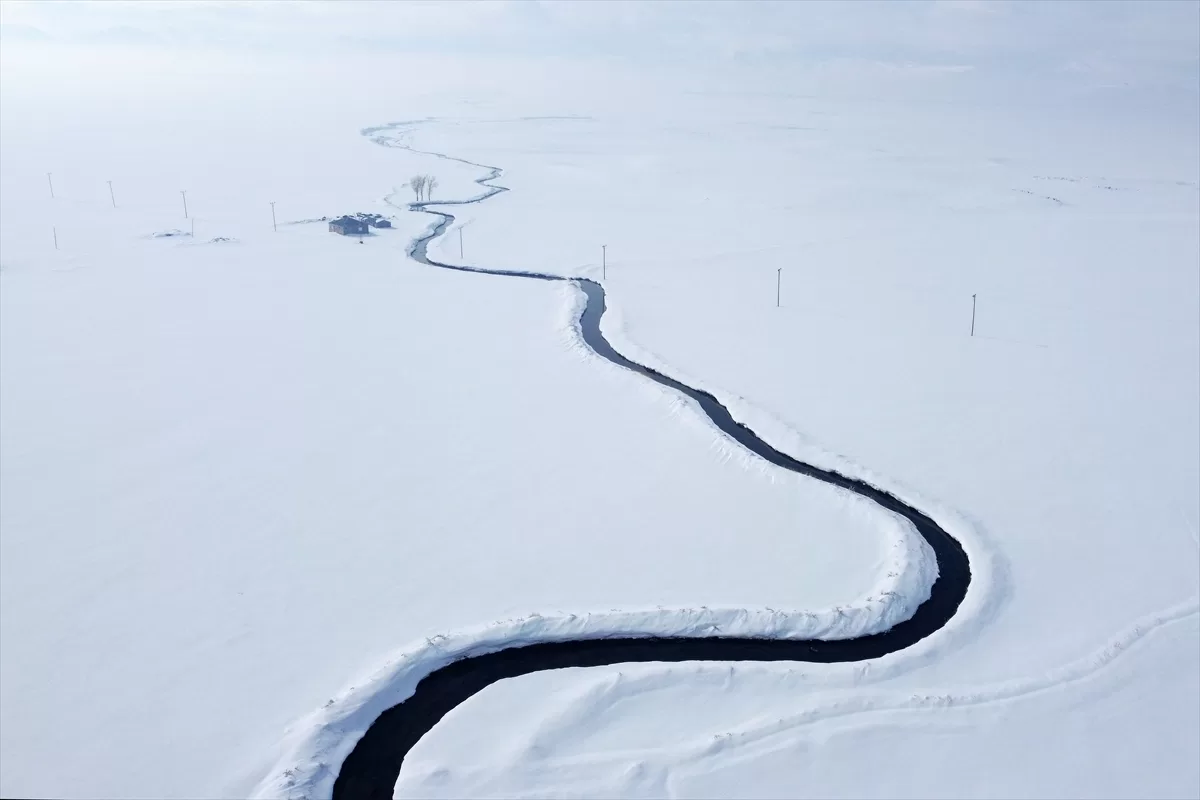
460 248
273 223
778 285
193 233
111 195
51 182
55 237
972 315
604 261
184 195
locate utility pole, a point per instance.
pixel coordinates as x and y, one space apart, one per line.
972 315
273 223
604 261
193 234
460 249
55 237
51 182
111 195
778 284
184 195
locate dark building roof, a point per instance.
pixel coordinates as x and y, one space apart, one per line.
347 225
374 220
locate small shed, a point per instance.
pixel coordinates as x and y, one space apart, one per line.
348 226
382 223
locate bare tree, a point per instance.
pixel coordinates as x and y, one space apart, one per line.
418 185
423 186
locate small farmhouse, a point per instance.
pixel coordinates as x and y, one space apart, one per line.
348 226
374 220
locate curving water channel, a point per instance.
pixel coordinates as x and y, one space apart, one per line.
373 767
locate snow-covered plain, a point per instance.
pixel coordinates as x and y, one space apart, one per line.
1066 429
240 475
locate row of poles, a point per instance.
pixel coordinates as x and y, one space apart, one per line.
113 197
183 194
603 247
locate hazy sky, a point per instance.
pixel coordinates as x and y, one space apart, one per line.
1122 42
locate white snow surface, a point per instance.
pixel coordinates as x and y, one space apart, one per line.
235 477
701 730
1066 423
251 493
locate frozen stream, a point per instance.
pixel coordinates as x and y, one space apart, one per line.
372 768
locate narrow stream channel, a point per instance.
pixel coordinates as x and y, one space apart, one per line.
373 767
